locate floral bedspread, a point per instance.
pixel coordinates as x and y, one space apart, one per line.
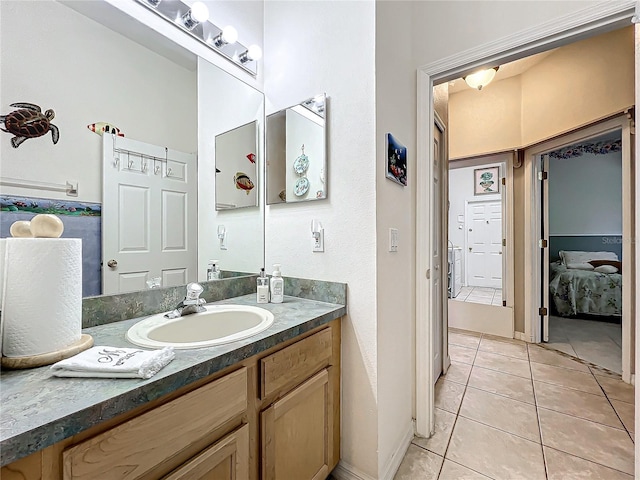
581 291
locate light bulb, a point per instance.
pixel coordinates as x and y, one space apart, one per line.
197 14
229 35
254 52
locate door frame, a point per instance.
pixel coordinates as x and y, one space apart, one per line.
466 234
590 21
533 274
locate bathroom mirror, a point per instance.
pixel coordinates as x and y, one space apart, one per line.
236 169
98 68
296 157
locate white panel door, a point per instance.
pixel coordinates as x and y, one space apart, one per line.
436 274
484 244
149 215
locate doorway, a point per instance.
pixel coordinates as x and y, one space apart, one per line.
615 298
561 31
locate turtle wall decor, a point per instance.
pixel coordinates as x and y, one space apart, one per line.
28 121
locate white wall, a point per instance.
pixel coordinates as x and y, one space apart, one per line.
585 195
304 57
93 75
395 113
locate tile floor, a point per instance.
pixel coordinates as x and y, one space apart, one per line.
593 341
485 295
508 410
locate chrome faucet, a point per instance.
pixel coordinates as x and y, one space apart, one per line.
192 303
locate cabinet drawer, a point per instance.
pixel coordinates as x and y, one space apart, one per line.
144 443
228 458
294 364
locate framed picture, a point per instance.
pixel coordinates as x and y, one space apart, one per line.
486 181
396 161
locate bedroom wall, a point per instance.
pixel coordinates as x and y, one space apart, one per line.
585 203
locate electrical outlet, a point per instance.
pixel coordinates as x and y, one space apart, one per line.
393 239
318 241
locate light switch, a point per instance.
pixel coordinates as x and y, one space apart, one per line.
393 239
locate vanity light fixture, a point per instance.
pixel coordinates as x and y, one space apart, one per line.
197 14
253 53
192 18
482 78
228 36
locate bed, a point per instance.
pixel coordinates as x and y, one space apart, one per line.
578 287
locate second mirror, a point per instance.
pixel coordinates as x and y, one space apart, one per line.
296 152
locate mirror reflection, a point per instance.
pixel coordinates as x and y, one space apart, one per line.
235 152
136 120
296 152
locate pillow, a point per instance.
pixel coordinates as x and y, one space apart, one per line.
606 269
580 266
569 256
598 263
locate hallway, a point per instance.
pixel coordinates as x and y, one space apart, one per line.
512 411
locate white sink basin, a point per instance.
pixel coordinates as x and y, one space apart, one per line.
219 324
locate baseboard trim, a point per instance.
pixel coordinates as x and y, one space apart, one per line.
396 458
344 471
521 336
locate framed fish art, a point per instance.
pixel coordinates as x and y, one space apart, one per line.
396 165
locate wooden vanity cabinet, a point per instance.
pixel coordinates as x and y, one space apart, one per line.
274 416
301 424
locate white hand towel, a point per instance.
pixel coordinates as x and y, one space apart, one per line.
114 362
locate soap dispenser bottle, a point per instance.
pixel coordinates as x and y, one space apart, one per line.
263 287
213 271
277 285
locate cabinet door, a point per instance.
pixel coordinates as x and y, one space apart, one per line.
297 433
227 459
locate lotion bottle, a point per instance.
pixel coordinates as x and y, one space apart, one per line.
277 285
213 271
263 287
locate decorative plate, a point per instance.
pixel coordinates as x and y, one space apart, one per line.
301 187
301 164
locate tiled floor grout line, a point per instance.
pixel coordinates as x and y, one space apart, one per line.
614 408
623 429
444 454
585 459
535 401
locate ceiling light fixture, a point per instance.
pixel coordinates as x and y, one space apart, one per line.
481 79
193 19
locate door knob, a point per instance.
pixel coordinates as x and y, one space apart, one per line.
469 248
112 264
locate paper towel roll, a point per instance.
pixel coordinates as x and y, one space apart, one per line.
42 310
